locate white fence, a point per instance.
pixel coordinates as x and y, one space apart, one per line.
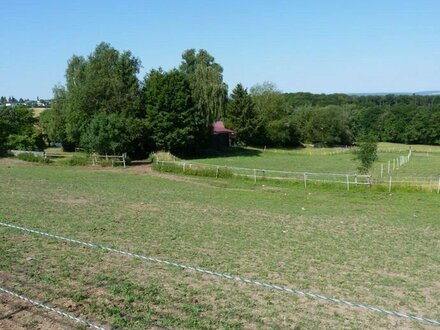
431 183
20 152
122 159
349 180
394 164
95 159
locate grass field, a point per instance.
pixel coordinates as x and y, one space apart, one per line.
425 161
375 248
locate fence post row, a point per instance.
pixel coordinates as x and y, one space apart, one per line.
320 177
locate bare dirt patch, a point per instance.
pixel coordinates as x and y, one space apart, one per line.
145 207
16 315
12 161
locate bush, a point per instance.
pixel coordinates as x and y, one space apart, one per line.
366 153
75 161
33 158
196 171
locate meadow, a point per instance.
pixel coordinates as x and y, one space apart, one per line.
424 162
365 246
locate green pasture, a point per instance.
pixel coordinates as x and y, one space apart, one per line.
425 160
363 245
301 160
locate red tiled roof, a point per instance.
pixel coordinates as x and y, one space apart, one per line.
219 127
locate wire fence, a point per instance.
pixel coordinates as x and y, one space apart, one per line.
52 309
231 277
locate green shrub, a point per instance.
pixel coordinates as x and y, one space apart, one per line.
76 161
33 158
196 171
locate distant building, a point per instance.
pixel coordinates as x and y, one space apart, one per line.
222 136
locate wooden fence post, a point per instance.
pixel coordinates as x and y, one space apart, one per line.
381 170
438 186
123 158
216 173
389 186
305 180
348 183
255 175
389 166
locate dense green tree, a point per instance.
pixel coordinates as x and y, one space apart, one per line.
283 132
330 125
174 121
241 117
205 76
106 134
393 118
104 82
270 104
52 120
279 127
18 129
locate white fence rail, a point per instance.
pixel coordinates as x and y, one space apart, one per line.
20 152
349 180
428 183
394 164
95 158
121 159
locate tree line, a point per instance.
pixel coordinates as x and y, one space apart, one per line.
104 107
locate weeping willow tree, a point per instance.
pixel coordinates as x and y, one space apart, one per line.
208 90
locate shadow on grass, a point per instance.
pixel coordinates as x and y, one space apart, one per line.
229 152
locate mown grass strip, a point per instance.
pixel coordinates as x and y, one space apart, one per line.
232 277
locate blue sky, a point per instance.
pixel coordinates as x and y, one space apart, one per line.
316 46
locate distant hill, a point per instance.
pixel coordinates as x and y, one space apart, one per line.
423 93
